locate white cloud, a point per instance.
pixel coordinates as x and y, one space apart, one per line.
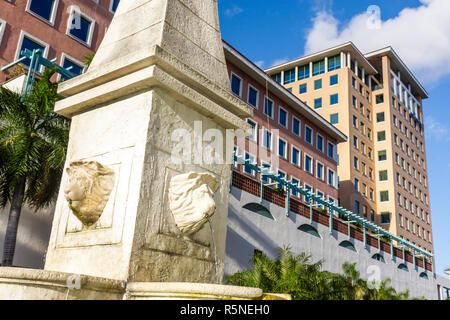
235 10
421 36
280 61
437 130
260 63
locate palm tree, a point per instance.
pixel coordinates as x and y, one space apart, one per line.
33 144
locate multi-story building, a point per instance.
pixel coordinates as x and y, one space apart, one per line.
65 30
377 102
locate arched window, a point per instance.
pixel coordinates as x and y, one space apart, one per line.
258 209
403 267
348 245
378 257
309 229
424 275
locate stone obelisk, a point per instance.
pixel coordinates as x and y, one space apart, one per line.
160 68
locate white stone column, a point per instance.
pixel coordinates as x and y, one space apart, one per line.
282 77
326 64
370 82
296 73
310 69
363 75
349 60
343 65
356 68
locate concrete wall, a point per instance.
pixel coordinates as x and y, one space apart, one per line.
32 237
248 231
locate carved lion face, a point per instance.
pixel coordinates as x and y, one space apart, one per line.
88 190
191 200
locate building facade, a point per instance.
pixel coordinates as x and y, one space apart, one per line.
64 30
377 102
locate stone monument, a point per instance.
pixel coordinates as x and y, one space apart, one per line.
133 220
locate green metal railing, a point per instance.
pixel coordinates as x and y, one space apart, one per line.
319 201
36 61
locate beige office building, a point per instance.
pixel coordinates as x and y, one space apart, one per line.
377 102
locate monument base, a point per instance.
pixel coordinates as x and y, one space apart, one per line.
31 284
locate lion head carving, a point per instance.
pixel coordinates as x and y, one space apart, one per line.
90 185
191 200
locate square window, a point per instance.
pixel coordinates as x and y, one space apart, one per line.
381 136
303 88
31 43
44 9
382 155
75 67
383 175
277 77
334 80
384 196
80 26
318 103
334 118
334 62
385 217
334 99
289 76
318 67
318 84
379 98
380 117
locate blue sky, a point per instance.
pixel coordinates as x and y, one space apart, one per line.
271 32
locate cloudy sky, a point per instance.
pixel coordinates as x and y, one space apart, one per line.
272 32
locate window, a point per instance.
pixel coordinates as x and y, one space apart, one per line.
281 175
310 189
381 136
289 76
76 66
247 169
43 9
318 103
31 43
296 126
295 156
253 97
267 140
320 145
353 82
382 155
318 84
383 175
334 118
355 141
331 150
80 26
295 182
282 148
385 217
268 107
264 178
356 207
334 80
354 101
303 88
236 85
318 67
356 184
308 164
2 29
308 135
334 99
261 210
355 163
277 77
283 117
355 122
303 72
334 62
380 117
379 98
384 196
320 171
113 6
254 125
331 178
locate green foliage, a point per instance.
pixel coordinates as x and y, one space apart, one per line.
304 280
33 143
87 59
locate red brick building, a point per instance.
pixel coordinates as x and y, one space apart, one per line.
290 137
63 29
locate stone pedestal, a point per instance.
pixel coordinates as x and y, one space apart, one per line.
160 68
